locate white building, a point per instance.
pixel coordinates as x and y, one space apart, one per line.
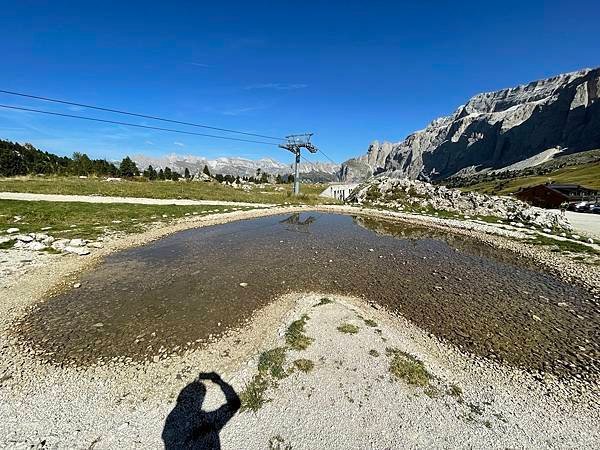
340 191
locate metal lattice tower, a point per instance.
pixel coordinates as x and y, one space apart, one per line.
294 143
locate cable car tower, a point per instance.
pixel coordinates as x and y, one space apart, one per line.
293 143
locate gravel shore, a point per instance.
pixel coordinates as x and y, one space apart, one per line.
348 400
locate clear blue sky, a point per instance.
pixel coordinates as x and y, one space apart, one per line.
350 71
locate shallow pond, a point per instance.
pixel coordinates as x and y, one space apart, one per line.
175 292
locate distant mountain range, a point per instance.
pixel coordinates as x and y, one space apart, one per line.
238 166
504 130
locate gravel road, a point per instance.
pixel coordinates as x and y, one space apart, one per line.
132 200
588 224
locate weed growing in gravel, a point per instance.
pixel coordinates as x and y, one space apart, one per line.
252 396
278 443
370 323
304 365
374 353
432 391
323 301
348 328
272 362
408 368
455 391
295 337
6 245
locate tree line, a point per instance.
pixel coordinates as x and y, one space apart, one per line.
17 159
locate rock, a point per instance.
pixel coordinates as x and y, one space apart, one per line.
35 246
24 238
49 240
575 236
60 244
81 251
562 110
95 245
77 242
590 241
243 284
395 192
45 228
77 285
12 230
547 230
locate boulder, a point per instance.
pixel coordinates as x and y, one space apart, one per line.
81 251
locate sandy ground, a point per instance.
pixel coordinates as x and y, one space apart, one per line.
349 399
588 224
131 200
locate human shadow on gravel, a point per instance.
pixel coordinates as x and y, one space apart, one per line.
188 426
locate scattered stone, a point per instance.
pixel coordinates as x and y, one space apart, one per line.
77 285
243 284
81 251
12 230
45 228
24 238
537 318
77 242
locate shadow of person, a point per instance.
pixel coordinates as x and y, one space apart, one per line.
189 427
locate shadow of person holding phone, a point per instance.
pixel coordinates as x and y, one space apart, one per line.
189 427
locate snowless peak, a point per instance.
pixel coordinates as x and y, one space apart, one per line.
494 130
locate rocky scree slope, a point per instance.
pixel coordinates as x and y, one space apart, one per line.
494 130
415 196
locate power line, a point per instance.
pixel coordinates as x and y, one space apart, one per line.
327 156
115 122
145 116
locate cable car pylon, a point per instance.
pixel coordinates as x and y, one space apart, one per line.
293 143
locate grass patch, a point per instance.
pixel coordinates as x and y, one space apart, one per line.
370 323
374 353
166 189
272 362
408 368
304 365
295 337
252 396
323 301
455 391
6 245
92 219
564 246
348 328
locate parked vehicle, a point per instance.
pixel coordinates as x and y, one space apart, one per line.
595 209
581 206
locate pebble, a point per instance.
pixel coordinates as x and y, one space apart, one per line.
243 284
77 285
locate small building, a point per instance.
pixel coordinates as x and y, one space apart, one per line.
339 191
552 195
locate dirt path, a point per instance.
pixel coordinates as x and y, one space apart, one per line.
131 200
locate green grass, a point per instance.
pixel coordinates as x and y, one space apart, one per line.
295 336
374 353
165 189
324 301
348 328
564 246
408 368
272 362
370 323
91 219
252 396
587 175
304 365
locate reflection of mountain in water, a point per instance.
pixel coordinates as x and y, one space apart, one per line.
294 223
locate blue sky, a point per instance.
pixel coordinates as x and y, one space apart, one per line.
350 71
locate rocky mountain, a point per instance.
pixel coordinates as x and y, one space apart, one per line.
495 130
238 166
